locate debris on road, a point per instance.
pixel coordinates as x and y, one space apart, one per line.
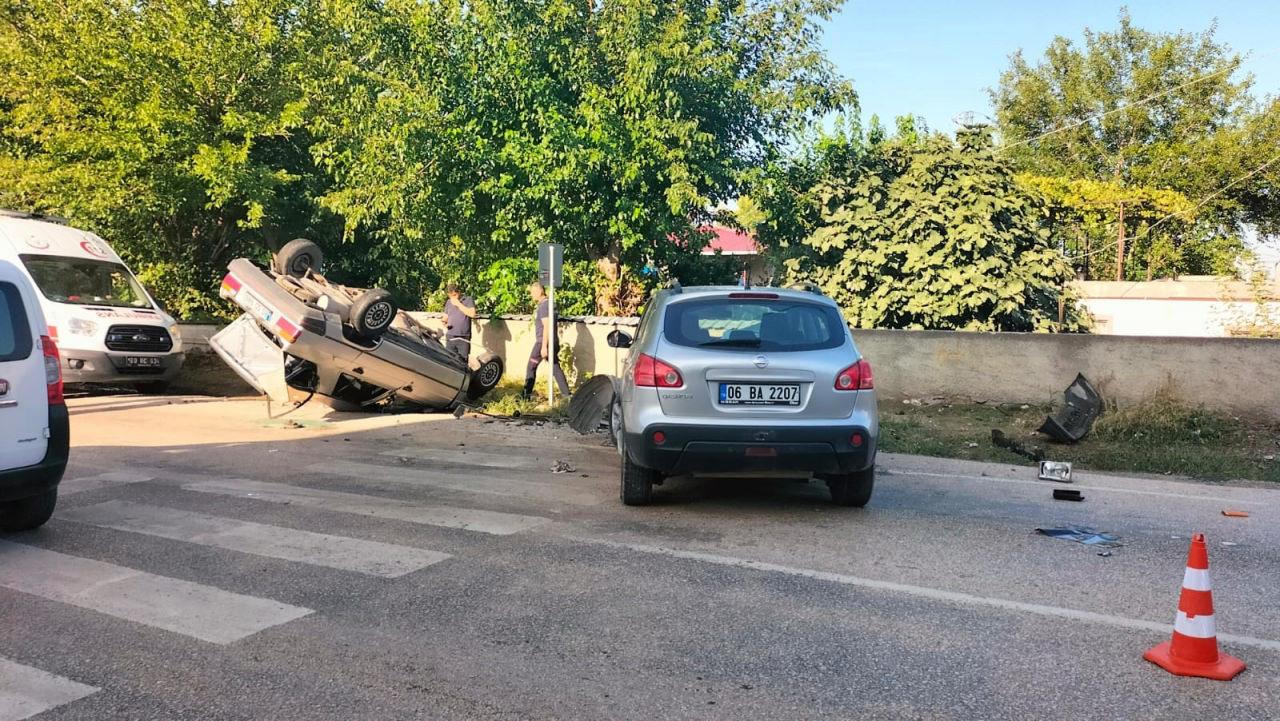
1235 514
1081 407
591 403
562 467
1067 494
1000 440
1106 554
1059 471
1087 536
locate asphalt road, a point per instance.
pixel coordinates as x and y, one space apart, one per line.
208 563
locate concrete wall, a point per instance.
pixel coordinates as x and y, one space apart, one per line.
1235 375
1173 316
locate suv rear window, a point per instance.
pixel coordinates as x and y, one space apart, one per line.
775 325
15 329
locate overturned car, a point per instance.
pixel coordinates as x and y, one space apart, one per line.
353 347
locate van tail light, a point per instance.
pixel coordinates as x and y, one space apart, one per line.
230 286
287 329
856 377
653 373
52 371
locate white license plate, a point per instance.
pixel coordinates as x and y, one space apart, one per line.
759 394
250 302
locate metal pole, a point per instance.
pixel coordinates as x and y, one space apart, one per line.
551 315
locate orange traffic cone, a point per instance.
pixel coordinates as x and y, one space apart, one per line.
1193 650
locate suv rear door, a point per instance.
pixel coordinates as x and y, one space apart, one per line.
24 402
756 355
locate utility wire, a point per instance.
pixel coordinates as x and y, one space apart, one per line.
1136 103
1203 202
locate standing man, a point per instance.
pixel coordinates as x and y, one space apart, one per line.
459 310
543 346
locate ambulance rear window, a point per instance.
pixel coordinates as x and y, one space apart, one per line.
82 281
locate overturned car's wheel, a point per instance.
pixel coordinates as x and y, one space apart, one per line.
297 257
372 313
484 378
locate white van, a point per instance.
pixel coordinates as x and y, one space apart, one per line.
107 327
34 433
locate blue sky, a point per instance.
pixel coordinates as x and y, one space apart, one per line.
936 59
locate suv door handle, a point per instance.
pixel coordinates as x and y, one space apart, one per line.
8 404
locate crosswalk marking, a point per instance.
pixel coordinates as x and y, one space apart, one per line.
456 481
203 612
492 522
462 456
27 691
102 480
318 549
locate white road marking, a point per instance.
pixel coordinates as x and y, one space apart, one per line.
935 594
203 612
461 456
467 519
1091 487
27 691
317 549
471 483
102 480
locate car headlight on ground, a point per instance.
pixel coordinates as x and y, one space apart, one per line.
77 326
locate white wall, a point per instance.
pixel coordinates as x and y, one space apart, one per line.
1170 317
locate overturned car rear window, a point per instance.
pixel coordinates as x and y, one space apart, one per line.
754 324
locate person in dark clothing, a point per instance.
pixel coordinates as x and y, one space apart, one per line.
459 310
545 344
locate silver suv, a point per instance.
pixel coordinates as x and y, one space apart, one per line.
731 379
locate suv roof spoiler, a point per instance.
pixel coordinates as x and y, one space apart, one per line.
24 215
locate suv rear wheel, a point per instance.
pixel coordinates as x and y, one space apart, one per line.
852 489
637 481
27 513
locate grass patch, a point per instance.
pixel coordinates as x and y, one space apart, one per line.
1159 435
507 400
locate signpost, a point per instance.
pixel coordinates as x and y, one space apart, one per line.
550 272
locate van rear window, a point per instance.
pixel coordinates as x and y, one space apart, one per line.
775 325
15 329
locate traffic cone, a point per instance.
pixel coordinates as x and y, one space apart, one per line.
1193 650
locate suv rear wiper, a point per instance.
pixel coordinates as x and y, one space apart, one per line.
743 342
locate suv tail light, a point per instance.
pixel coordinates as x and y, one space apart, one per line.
52 370
653 373
856 377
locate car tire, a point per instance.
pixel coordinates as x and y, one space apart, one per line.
637 482
297 257
25 514
853 489
152 388
486 377
372 313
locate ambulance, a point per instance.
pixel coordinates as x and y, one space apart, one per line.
107 327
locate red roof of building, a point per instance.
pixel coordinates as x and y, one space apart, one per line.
730 242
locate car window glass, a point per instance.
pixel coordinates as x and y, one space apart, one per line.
15 331
754 324
82 281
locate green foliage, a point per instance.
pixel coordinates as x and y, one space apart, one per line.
929 233
1201 132
171 128
467 133
503 287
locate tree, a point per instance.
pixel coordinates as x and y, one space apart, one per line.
468 132
931 233
170 127
1145 113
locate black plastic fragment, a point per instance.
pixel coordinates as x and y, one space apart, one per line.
1081 407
